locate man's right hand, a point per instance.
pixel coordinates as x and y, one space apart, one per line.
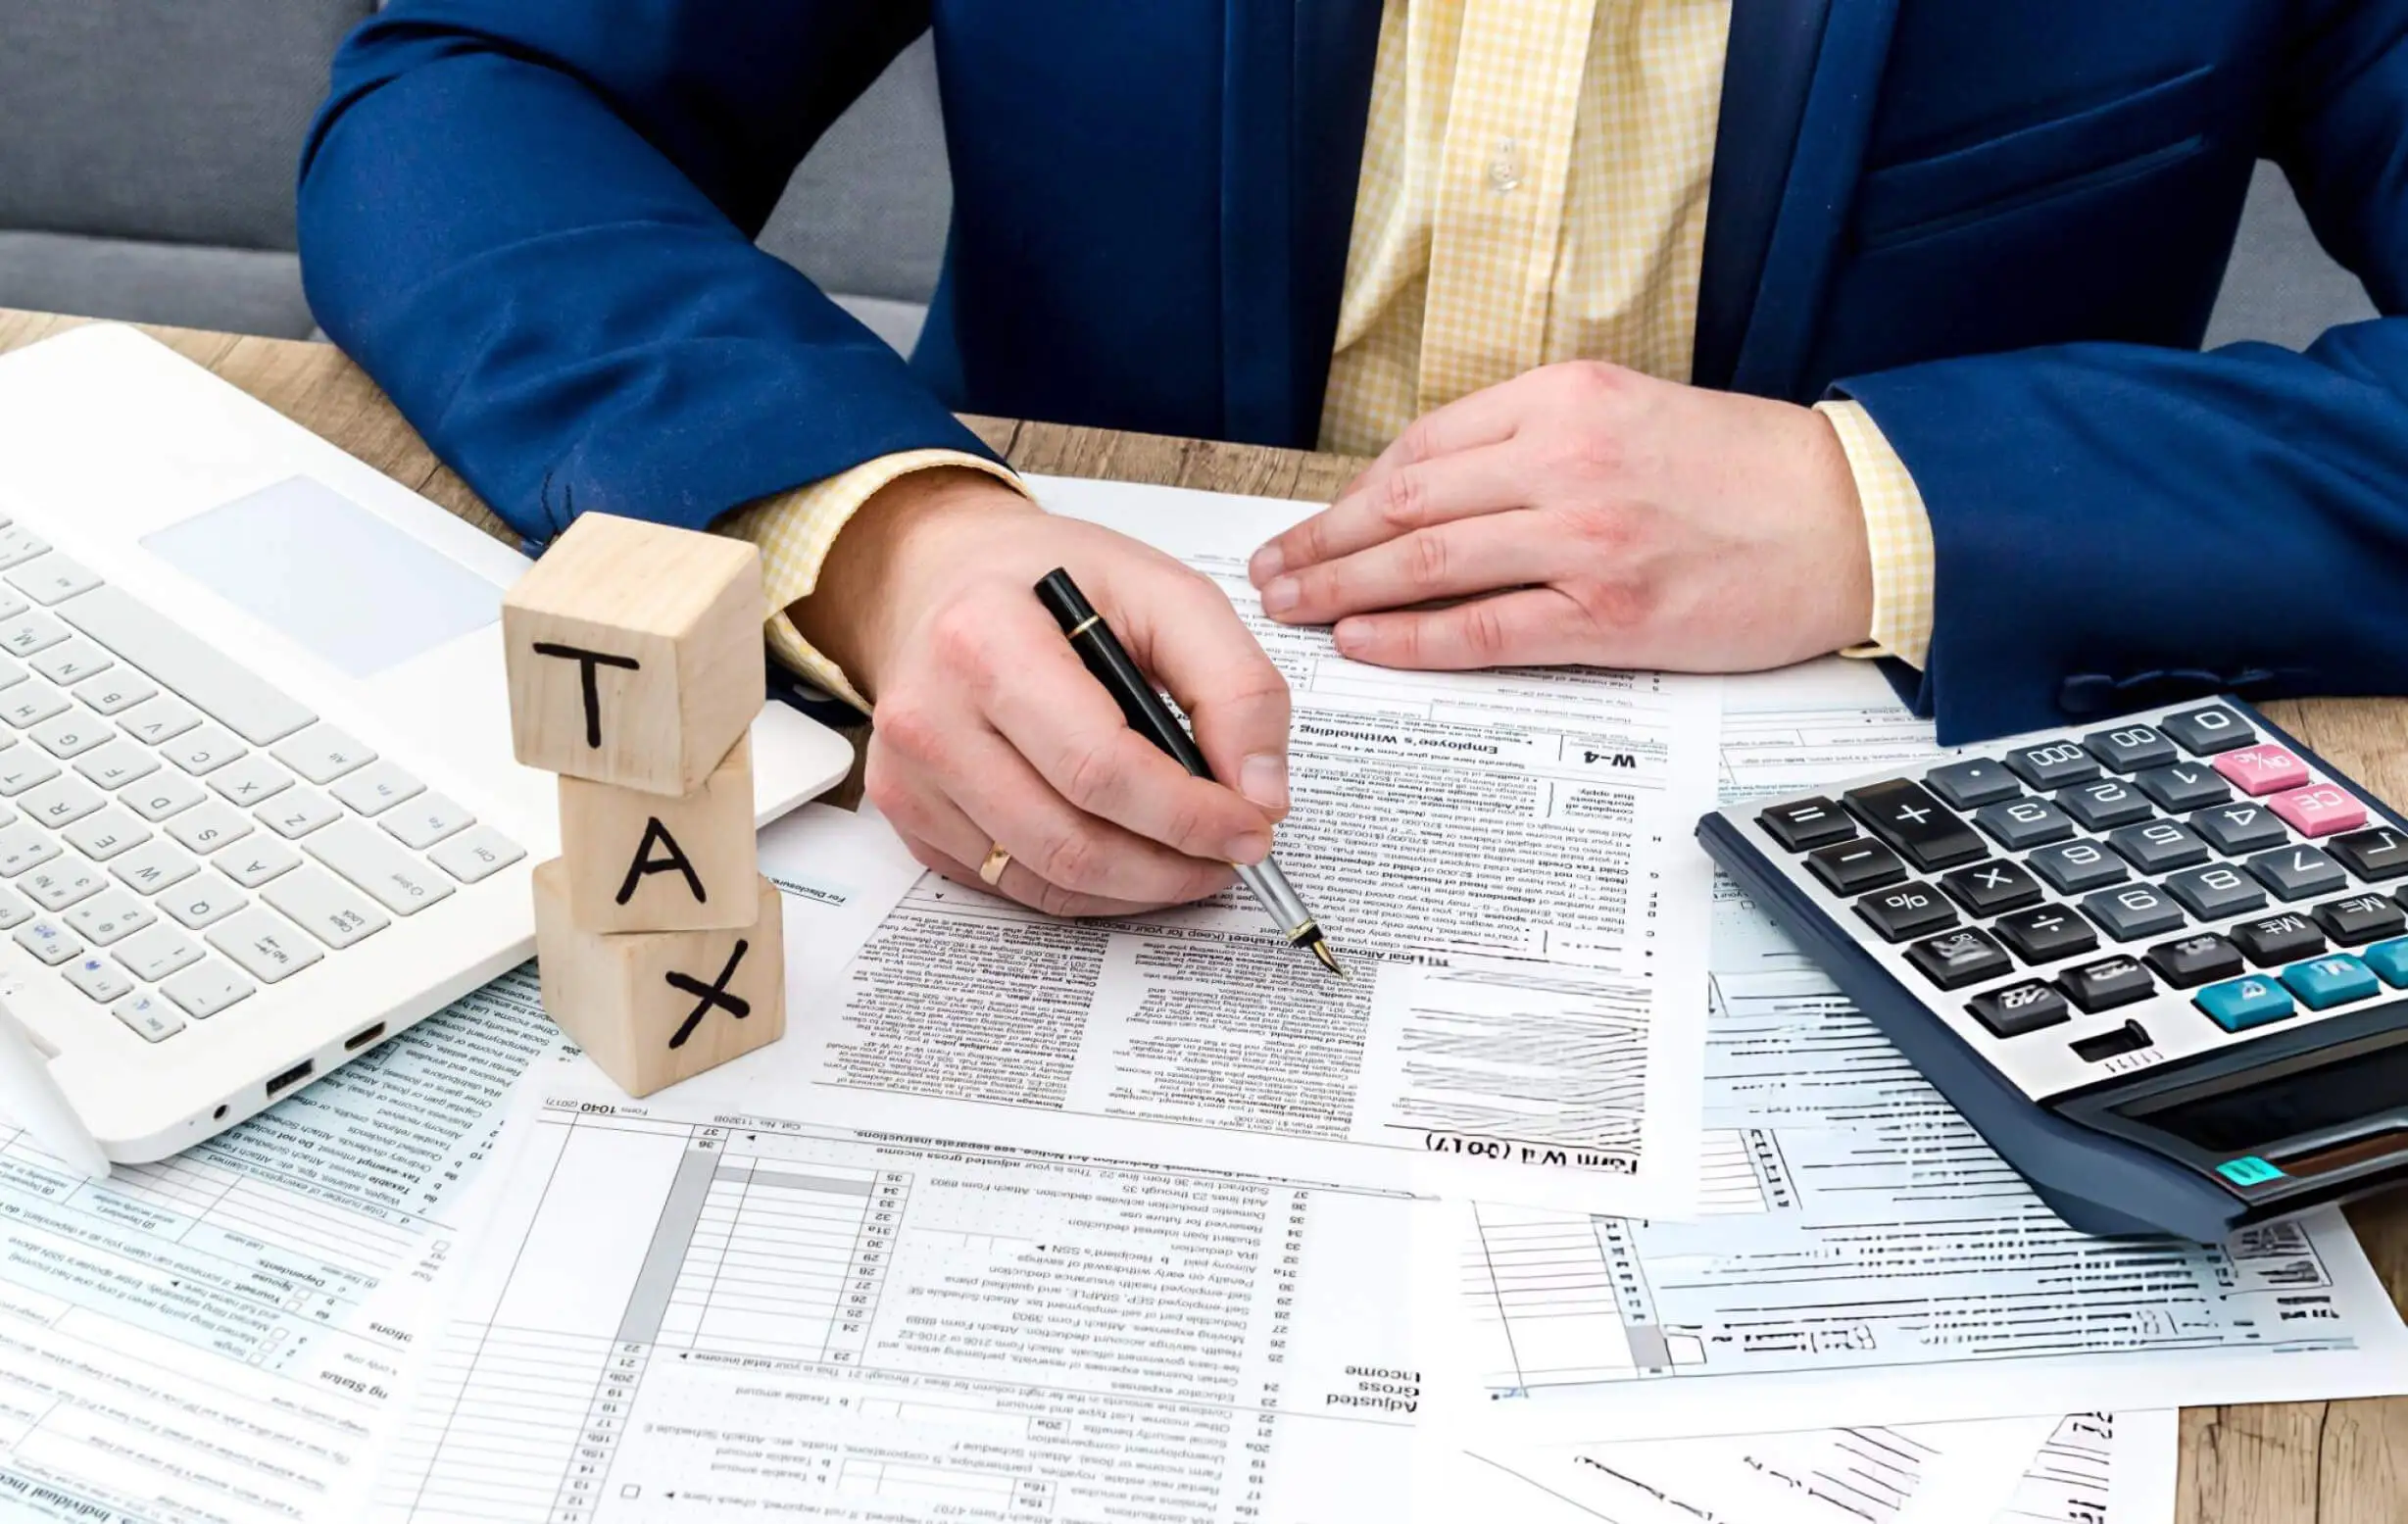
991 732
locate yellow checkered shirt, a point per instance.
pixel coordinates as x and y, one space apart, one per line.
1534 190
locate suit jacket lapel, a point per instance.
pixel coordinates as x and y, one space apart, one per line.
1816 196
1296 90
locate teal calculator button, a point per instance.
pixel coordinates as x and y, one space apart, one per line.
2237 1005
2248 1169
2322 983
2390 959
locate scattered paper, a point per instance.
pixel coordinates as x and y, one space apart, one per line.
1505 859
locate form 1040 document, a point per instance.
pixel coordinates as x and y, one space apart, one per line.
1861 1255
1507 862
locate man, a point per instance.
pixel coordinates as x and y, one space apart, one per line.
1937 269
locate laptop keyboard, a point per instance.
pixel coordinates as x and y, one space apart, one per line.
175 831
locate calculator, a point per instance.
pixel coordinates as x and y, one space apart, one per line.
2162 965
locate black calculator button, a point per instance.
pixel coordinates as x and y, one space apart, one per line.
2277 939
1972 783
2206 731
2361 918
1992 888
2075 866
1850 868
2241 827
2187 961
2130 748
2045 933
2019 824
2158 846
1955 958
2215 893
2131 1037
2104 804
1912 818
2019 1009
2183 787
1908 911
2106 984
1807 824
2132 911
2053 765
2373 855
2299 872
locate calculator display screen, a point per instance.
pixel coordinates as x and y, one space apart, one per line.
2248 1117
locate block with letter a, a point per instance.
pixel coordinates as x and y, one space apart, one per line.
635 662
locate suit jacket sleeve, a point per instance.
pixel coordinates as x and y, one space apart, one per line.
531 222
2117 525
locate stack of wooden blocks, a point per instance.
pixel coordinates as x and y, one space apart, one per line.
635 669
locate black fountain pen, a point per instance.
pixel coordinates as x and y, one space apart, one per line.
1152 718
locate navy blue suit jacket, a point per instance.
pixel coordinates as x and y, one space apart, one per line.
1998 223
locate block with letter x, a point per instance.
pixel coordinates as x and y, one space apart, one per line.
652 1008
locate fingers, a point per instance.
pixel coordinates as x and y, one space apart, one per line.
1018 883
1057 715
1527 627
1478 556
1236 700
1386 504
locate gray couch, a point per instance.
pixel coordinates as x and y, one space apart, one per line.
147 153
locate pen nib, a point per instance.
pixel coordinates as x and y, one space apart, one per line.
1329 960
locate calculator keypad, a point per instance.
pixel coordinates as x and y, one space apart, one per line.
2122 897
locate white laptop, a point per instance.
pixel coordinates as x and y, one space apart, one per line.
258 808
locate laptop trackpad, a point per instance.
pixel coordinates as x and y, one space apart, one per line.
329 575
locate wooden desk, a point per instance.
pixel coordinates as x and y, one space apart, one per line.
2293 1463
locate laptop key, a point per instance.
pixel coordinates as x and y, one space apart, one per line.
297 813
105 833
110 916
14 911
322 754
21 847
326 910
72 733
47 579
202 901
98 977
27 633
427 820
250 780
159 720
24 768
403 882
203 749
264 945
477 853
62 801
153 955
71 662
34 703
153 867
167 794
115 691
151 1017
380 785
117 763
49 940
257 861
54 886
209 827
19 544
207 988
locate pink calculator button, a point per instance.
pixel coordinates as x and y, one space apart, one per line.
2262 769
2319 811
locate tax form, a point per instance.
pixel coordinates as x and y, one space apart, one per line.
1505 861
224 1335
1861 1255
686 1312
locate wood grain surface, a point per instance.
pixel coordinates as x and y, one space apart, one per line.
2289 1463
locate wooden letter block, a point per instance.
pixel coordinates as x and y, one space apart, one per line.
649 863
634 654
652 1008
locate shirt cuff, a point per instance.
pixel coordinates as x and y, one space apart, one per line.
795 530
1898 529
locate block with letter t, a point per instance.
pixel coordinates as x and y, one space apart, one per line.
634 654
652 1008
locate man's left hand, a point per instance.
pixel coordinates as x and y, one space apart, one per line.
1587 514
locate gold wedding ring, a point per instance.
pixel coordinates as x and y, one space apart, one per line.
991 871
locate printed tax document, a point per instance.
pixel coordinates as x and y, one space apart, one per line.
224 1335
2084 1468
1862 1256
683 1311
1506 862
